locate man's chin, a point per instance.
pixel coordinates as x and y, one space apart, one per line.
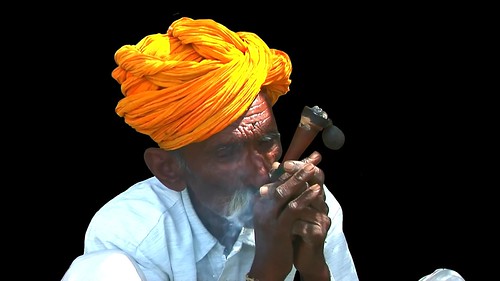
241 211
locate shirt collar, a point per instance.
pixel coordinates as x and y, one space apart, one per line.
203 240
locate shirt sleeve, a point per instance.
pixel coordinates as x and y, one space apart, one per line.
104 265
337 254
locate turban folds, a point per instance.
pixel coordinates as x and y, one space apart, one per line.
190 83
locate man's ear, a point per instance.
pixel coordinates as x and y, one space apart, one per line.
165 166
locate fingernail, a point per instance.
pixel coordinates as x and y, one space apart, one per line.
263 191
289 165
315 187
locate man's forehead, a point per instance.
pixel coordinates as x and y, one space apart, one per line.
258 116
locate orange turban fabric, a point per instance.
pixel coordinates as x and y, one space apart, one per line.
190 83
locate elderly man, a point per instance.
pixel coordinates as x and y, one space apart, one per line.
212 209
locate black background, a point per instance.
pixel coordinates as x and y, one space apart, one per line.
399 80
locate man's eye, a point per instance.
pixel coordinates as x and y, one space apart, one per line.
228 151
269 142
223 153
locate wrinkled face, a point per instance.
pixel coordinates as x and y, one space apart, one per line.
225 171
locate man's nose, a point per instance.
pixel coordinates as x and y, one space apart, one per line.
257 169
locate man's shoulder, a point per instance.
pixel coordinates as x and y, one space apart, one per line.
149 196
139 208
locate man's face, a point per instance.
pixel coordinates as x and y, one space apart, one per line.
225 171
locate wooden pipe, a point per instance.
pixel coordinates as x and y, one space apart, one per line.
312 121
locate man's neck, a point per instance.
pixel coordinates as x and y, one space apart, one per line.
221 228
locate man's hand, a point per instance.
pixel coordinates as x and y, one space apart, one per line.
291 222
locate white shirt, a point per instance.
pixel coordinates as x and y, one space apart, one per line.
159 229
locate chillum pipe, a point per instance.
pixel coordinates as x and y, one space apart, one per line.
312 121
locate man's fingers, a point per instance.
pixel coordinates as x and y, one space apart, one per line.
267 191
313 158
314 229
296 184
314 197
291 167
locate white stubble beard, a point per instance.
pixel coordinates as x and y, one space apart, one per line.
240 209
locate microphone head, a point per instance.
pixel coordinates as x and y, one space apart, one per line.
333 137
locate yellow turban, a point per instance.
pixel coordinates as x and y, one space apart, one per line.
190 83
